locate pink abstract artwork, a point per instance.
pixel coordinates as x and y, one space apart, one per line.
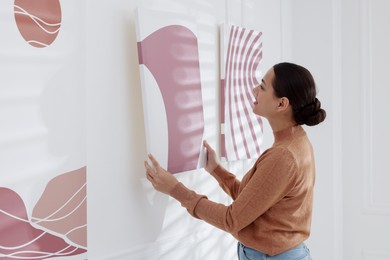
62 207
171 84
43 151
38 21
241 129
24 238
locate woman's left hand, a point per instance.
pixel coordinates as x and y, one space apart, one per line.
162 180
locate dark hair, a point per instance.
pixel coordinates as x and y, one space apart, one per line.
297 84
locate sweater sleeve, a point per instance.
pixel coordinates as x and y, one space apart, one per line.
273 178
228 181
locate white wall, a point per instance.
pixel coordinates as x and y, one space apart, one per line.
346 45
366 125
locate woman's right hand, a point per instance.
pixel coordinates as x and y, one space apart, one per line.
212 160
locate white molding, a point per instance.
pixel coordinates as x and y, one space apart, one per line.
370 205
337 131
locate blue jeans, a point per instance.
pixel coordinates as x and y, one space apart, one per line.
300 252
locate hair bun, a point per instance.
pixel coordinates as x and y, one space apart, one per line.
310 114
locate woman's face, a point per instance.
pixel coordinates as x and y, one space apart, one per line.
266 103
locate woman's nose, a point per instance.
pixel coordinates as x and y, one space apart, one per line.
254 90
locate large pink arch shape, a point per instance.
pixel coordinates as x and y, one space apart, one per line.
171 55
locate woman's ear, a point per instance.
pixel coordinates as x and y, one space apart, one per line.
283 104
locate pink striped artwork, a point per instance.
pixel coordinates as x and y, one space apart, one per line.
171 89
241 129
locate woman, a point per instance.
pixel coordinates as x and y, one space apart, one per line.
271 212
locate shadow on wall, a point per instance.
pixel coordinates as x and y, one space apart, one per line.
63 108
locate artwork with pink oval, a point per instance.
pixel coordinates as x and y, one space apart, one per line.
241 129
20 239
168 56
38 21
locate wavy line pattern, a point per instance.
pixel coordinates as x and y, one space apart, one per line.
62 208
75 229
23 245
48 218
20 240
38 21
242 130
36 44
31 254
14 216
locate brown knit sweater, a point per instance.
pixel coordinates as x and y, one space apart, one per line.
272 206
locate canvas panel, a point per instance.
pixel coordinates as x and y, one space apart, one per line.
42 134
241 129
171 89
